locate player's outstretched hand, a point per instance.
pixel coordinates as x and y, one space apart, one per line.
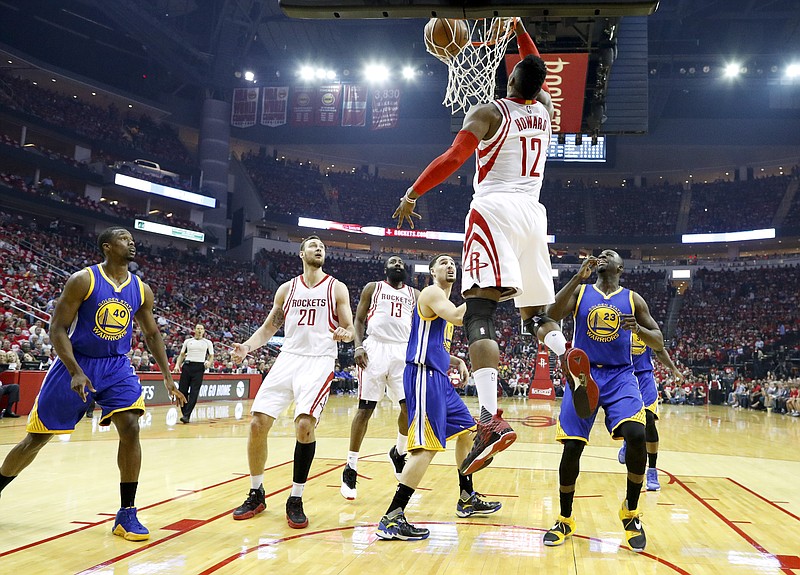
174 393
405 211
587 267
239 352
80 383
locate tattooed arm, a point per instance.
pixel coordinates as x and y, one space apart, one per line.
269 328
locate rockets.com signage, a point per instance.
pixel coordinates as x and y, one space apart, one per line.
566 79
216 386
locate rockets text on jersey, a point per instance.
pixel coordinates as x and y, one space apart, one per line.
309 317
390 311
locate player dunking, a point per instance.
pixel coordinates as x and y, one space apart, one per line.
385 308
91 333
436 412
505 250
643 370
315 309
606 316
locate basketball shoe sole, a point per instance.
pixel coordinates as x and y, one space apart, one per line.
585 393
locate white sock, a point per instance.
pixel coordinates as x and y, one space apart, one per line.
556 341
402 443
352 460
256 481
297 489
486 384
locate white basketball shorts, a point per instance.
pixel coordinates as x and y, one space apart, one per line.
304 379
505 245
384 371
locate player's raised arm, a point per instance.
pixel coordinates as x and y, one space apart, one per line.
567 297
528 48
267 329
434 301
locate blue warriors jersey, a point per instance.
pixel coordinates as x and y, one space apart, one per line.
598 325
642 355
104 322
429 343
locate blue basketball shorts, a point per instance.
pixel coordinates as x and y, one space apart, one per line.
436 413
58 408
649 391
619 398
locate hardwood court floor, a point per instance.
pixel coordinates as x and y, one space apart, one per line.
729 501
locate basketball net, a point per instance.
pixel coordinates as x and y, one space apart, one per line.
471 73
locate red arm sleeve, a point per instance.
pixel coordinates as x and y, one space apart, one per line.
443 167
526 48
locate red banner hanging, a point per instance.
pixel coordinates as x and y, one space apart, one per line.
566 79
274 106
385 108
328 104
354 106
303 106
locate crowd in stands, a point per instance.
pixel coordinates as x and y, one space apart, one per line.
110 125
287 187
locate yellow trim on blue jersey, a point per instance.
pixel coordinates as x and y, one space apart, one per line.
578 303
653 408
91 283
117 288
463 431
422 317
608 296
640 417
431 441
141 290
35 424
138 404
562 436
633 305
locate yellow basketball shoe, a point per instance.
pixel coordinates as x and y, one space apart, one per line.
564 527
634 532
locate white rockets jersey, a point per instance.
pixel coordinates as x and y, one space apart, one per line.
309 316
512 161
390 310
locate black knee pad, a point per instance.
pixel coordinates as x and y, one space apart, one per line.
479 319
650 429
570 465
364 404
531 326
636 454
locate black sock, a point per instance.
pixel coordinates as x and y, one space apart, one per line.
486 417
303 456
465 483
5 480
632 492
127 493
566 503
651 460
401 498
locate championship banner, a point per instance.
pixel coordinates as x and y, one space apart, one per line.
243 110
566 79
385 108
354 105
303 106
328 104
274 105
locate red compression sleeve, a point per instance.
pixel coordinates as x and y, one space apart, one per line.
527 47
443 167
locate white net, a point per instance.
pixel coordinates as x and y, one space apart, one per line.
472 68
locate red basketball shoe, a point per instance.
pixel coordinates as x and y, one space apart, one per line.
585 393
492 438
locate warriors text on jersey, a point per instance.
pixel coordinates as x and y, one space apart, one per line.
429 342
389 316
103 324
513 160
309 317
598 325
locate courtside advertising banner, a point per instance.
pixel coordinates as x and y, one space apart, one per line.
566 79
328 105
354 105
303 99
245 105
385 108
274 106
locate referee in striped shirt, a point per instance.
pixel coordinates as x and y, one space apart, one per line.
197 354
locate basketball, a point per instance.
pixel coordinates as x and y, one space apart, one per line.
446 37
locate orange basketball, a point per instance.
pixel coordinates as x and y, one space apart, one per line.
446 37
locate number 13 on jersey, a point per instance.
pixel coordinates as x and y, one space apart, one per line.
530 159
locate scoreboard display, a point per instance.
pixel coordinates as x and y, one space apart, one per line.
569 151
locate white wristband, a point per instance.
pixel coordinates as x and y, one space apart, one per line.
411 201
359 347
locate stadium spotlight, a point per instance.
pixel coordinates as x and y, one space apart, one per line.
409 72
330 75
793 70
376 73
249 75
306 73
732 70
